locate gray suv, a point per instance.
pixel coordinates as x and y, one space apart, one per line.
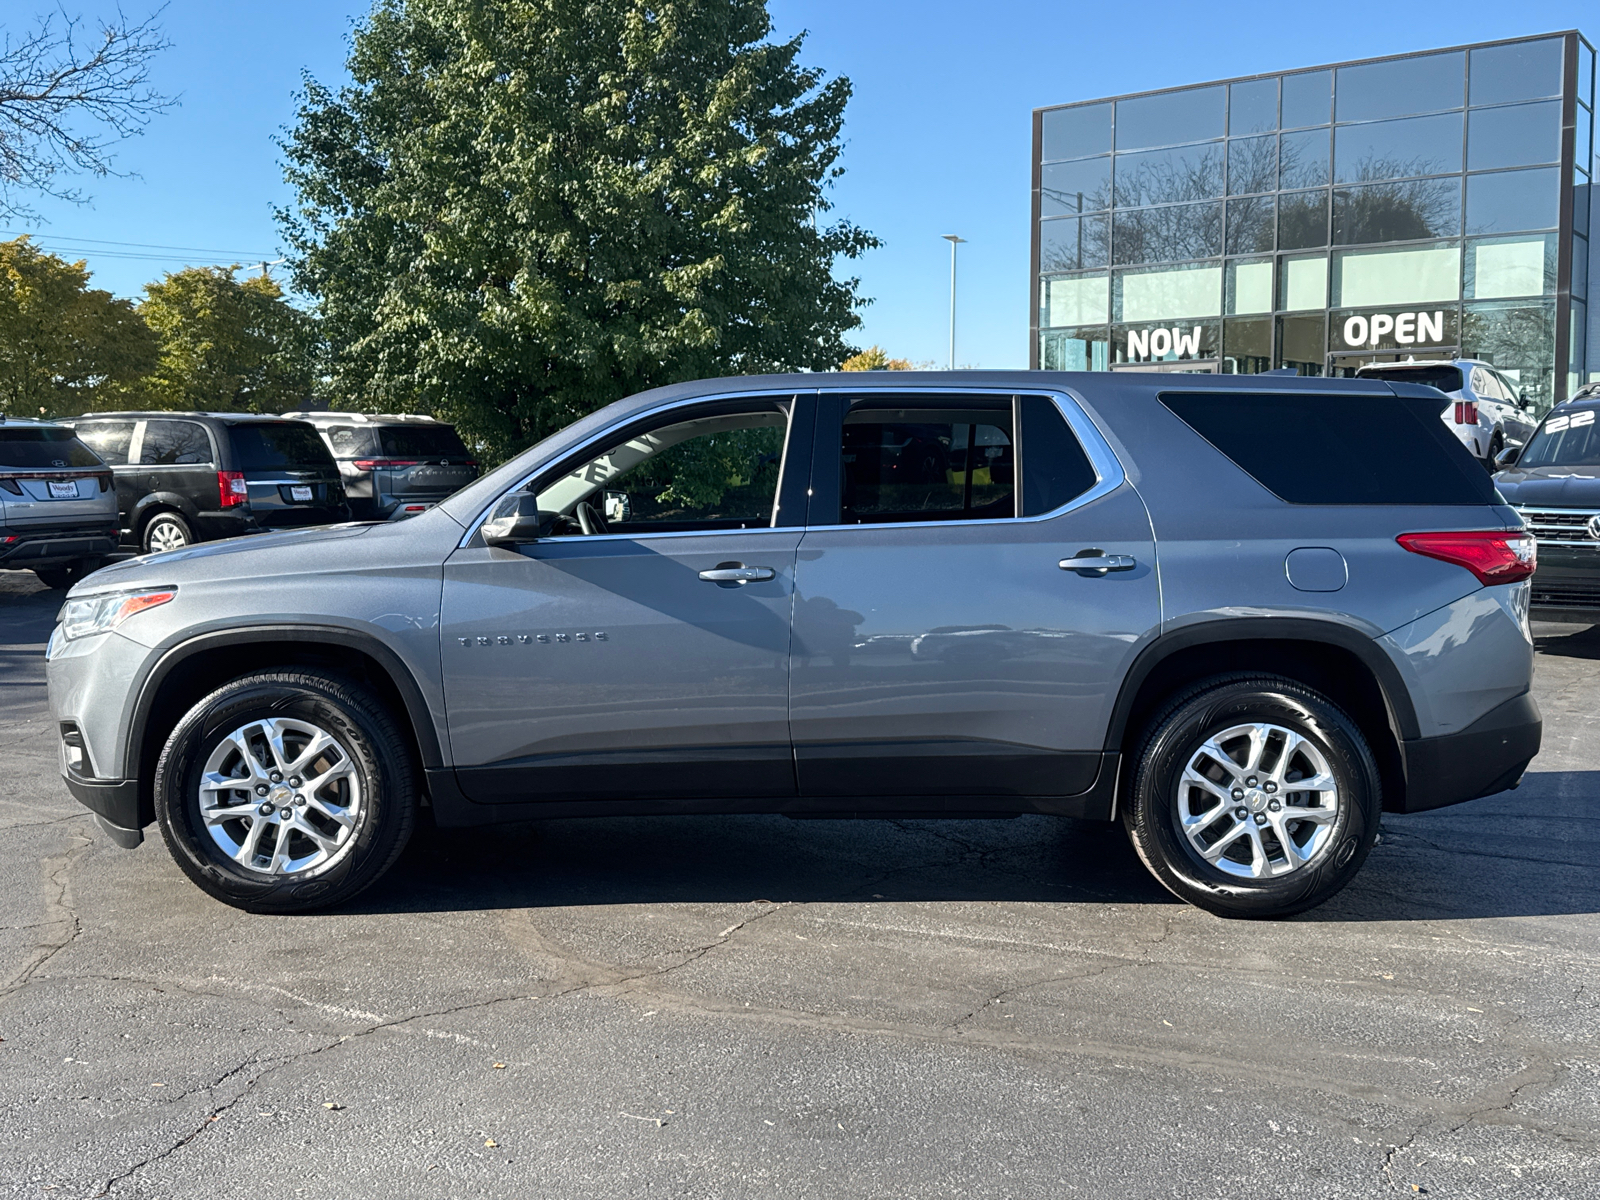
1214 609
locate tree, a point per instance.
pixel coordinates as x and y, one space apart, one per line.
65 347
524 209
227 343
65 98
874 359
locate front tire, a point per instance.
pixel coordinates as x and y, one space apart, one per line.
1215 812
286 792
63 577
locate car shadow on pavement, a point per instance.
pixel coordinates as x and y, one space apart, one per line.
715 859
1567 641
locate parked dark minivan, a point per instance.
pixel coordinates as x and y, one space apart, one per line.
186 477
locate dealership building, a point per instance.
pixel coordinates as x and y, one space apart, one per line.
1423 205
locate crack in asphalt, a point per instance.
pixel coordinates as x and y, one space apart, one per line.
59 902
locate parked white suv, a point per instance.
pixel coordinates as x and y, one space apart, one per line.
1490 412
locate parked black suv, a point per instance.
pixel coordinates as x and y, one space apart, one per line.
394 466
185 477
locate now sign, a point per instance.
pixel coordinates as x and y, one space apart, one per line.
1147 344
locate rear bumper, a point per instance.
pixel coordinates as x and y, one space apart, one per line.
115 805
1486 757
40 548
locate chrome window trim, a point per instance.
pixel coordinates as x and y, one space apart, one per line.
1107 467
610 430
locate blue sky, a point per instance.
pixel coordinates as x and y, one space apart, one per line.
937 134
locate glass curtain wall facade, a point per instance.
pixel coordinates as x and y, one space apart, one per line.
1429 205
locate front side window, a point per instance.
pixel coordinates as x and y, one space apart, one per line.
718 471
108 439
174 443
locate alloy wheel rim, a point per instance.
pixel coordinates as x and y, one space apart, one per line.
1257 801
167 536
280 796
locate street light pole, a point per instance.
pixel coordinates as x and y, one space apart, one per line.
954 242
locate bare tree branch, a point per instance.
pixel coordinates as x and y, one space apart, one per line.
66 96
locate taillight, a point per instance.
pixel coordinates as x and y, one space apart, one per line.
1493 555
1466 412
374 464
232 489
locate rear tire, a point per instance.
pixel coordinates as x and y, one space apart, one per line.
62 577
318 844
166 531
1184 814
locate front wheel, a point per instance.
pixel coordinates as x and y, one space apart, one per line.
1253 796
286 792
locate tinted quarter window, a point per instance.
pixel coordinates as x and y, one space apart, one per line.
933 464
174 443
1310 448
267 444
42 446
1055 470
108 439
421 441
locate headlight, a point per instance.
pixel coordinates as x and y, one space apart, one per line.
101 614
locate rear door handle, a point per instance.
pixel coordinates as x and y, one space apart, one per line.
738 573
1086 563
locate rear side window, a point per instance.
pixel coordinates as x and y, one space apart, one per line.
1445 378
421 441
174 444
43 446
108 439
1310 448
263 445
934 464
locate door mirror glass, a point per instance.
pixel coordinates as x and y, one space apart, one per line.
1508 457
517 520
618 507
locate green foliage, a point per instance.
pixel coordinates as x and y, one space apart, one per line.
525 209
227 344
65 347
874 359
729 474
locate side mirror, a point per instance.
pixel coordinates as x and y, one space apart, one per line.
517 520
1507 458
618 507
1523 401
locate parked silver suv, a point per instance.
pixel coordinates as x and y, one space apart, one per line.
1490 412
58 510
393 466
1215 609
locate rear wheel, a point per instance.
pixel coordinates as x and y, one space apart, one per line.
167 531
286 792
64 576
1253 796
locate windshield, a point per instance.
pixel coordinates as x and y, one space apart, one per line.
44 447
421 441
278 444
1564 440
1445 378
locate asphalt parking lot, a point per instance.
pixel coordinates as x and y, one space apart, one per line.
752 1006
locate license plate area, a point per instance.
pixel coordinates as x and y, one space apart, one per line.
301 493
62 489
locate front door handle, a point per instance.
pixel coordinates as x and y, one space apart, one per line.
737 573
1092 562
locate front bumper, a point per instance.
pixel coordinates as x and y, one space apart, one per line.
115 805
1486 757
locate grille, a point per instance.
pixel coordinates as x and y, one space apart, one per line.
1567 597
1565 525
